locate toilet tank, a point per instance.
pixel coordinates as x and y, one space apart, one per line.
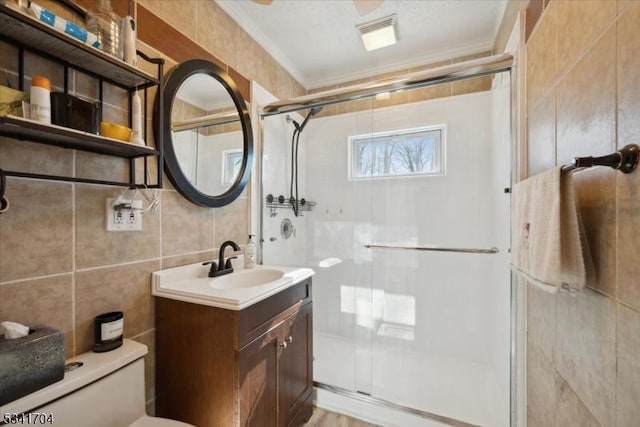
106 391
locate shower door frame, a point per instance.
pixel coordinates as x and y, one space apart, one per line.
490 65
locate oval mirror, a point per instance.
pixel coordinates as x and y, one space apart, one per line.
208 143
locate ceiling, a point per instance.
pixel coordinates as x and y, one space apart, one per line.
317 43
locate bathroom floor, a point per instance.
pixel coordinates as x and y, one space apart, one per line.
322 418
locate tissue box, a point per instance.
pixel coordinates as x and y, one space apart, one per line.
30 363
11 101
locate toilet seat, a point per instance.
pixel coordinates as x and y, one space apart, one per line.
146 421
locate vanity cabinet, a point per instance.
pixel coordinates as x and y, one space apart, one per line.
252 367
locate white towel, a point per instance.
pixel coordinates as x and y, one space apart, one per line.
546 232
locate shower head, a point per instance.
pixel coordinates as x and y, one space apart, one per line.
312 112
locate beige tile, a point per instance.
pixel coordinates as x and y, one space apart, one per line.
85 86
186 227
149 339
124 288
37 65
628 237
36 233
117 97
596 199
222 41
232 222
542 382
45 301
254 60
541 64
476 84
95 246
628 393
177 261
586 111
430 92
586 350
628 76
279 80
23 156
571 411
9 60
100 167
541 139
579 24
541 320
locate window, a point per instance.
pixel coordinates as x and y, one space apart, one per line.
406 152
231 164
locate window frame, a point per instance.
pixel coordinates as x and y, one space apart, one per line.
352 140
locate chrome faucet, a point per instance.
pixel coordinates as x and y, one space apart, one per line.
222 267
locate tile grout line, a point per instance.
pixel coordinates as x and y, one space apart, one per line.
73 253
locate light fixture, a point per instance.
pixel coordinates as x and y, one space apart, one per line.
379 33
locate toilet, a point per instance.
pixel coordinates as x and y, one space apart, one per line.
107 390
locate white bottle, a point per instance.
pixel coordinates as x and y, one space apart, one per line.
136 120
129 41
250 251
40 99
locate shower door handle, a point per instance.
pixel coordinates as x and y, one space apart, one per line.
492 250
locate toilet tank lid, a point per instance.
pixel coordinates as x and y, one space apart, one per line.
94 366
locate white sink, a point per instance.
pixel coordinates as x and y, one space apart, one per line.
233 291
246 278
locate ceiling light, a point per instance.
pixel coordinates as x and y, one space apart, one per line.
379 33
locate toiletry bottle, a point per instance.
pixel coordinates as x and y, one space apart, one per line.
41 99
129 41
108 26
136 120
250 253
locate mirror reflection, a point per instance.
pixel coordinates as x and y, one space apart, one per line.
207 134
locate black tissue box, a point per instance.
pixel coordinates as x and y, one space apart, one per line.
30 363
73 112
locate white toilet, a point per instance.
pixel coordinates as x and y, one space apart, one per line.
106 391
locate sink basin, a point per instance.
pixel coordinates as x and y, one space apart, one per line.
246 278
233 291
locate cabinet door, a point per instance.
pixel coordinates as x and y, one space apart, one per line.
258 380
295 369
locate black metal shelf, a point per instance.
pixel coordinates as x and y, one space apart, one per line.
29 130
23 30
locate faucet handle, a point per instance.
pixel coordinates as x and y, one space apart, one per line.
227 264
214 267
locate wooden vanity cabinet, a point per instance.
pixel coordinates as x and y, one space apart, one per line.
253 367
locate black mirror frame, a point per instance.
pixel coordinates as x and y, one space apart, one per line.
172 83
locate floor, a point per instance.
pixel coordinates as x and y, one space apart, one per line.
322 418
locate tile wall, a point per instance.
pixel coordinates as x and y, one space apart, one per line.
583 98
58 264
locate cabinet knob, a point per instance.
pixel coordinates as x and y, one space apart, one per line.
289 339
283 344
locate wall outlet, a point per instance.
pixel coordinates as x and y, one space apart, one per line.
123 215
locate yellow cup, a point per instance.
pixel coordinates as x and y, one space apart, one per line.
112 130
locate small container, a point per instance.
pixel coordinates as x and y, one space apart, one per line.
115 131
73 112
108 27
136 120
41 99
109 328
250 252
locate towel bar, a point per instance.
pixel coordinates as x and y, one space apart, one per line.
492 250
624 160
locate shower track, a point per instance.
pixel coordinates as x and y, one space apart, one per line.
390 405
434 76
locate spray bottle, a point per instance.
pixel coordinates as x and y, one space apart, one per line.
250 252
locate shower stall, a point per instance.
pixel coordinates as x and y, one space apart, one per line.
397 195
